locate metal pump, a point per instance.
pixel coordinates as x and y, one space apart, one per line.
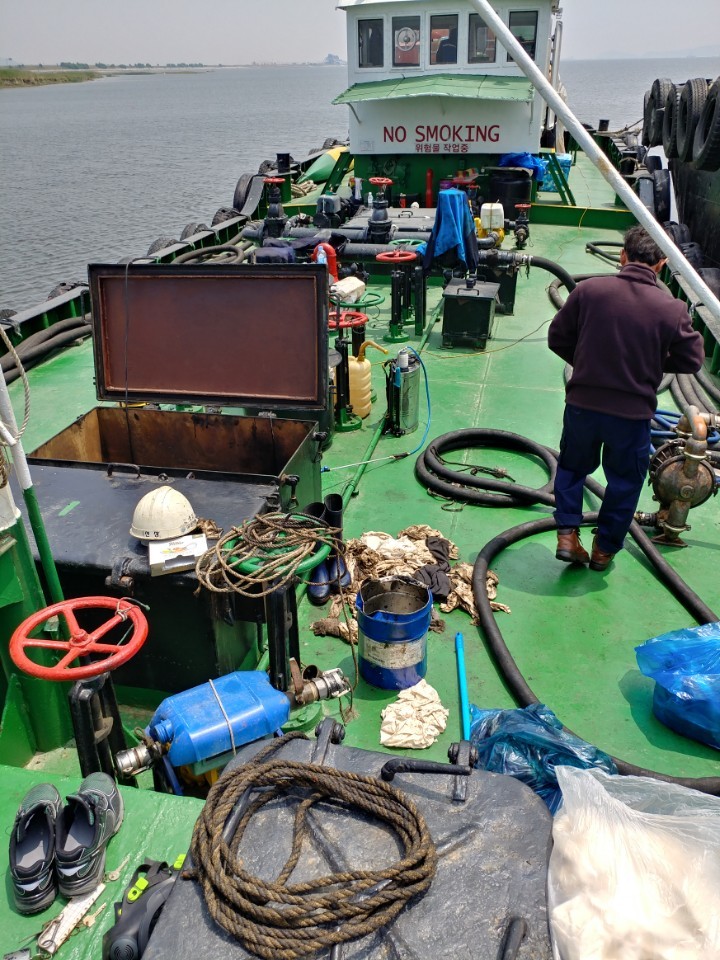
682 477
403 394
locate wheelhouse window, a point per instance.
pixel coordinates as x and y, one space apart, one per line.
370 43
523 26
443 39
481 41
406 41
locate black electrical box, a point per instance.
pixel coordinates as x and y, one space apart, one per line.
468 313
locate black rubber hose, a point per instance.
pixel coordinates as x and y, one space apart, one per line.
509 669
432 471
202 252
560 272
681 401
42 336
693 392
595 247
554 294
691 384
708 384
29 358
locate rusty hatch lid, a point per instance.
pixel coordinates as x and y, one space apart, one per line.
234 335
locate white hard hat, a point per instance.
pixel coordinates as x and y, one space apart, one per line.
163 514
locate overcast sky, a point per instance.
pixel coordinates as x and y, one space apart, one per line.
242 31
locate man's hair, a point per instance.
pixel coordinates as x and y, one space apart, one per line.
641 248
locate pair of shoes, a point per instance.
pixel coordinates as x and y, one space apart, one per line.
332 574
61 848
599 560
569 547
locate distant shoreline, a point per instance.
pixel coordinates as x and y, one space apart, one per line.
36 76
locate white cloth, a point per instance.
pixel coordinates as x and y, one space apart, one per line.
416 719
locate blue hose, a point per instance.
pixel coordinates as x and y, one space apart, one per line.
462 683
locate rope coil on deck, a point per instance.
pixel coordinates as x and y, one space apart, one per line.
263 554
279 920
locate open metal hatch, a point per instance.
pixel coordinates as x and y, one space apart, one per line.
234 336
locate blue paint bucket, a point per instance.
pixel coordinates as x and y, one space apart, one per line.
393 620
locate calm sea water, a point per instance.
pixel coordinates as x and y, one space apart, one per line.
98 171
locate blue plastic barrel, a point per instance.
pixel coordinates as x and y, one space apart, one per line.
393 621
195 722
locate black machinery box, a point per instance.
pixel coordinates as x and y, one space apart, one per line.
468 313
253 339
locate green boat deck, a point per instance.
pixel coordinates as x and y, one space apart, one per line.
571 630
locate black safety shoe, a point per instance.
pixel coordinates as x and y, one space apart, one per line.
32 849
91 817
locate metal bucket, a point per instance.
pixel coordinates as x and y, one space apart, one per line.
393 620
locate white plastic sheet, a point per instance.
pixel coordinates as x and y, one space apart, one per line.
634 871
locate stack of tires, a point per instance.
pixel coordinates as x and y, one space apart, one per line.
685 119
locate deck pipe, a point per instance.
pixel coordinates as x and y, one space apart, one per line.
47 561
678 263
518 686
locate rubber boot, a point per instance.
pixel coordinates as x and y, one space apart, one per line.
338 572
318 590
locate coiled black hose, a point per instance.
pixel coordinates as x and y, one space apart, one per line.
707 383
456 485
434 474
693 390
39 345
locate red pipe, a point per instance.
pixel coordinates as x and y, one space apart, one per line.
331 259
428 187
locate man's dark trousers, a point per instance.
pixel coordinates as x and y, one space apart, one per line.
623 447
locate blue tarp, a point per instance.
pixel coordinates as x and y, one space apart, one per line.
454 230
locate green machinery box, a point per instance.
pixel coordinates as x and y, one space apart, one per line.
468 313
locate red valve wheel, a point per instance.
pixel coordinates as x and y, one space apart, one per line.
274 180
81 643
523 206
381 181
396 256
348 318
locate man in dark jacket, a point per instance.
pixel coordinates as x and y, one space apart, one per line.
620 333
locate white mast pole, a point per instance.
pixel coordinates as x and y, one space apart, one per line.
677 261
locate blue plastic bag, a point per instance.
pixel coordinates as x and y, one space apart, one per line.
529 744
526 160
685 666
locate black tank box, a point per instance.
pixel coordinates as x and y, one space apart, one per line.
201 367
468 313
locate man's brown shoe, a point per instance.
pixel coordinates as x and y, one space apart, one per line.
599 559
569 548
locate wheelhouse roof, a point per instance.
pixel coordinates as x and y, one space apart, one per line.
463 86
